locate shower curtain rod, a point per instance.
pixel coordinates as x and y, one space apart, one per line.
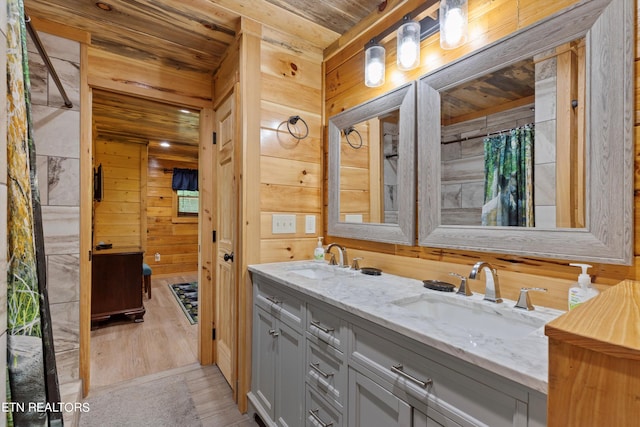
47 61
484 136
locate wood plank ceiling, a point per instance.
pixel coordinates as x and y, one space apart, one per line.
193 35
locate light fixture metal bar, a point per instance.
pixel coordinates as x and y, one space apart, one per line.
426 13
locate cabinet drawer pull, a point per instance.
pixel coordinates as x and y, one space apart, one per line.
316 367
314 414
398 369
274 300
273 332
322 328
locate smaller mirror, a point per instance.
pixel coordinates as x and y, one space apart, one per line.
372 169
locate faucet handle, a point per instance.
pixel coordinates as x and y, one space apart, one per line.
524 301
355 265
332 260
463 289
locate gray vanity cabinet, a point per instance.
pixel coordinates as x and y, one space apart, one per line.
315 364
372 405
277 382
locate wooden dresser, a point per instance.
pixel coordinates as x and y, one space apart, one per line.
594 361
116 285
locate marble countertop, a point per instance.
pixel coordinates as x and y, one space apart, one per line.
382 299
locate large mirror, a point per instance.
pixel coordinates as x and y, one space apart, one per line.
372 169
526 146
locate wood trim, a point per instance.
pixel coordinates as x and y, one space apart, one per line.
376 167
206 257
116 73
86 209
144 172
60 30
566 138
249 212
276 17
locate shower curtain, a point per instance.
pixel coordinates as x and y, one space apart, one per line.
508 183
32 380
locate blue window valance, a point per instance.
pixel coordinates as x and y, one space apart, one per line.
185 179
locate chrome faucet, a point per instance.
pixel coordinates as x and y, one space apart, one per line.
492 286
344 262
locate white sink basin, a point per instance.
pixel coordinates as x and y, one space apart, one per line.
314 273
475 317
318 271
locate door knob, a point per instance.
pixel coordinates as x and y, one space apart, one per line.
228 257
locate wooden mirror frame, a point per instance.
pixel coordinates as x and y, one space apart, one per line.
608 26
404 99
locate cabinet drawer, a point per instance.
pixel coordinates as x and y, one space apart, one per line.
326 372
428 384
319 413
280 303
326 326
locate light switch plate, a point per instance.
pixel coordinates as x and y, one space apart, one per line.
283 224
310 224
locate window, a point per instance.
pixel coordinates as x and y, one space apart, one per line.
185 206
187 203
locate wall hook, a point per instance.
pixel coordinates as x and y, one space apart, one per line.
293 121
348 131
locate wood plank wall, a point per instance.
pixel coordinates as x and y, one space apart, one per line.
176 241
117 217
344 88
290 169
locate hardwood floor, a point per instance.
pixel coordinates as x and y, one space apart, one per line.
165 340
165 344
207 387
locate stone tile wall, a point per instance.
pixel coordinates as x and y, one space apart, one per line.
57 138
3 202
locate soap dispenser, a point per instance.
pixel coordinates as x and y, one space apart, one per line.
584 291
318 253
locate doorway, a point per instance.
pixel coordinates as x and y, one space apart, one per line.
138 143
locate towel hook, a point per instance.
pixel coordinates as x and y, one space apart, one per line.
348 131
293 121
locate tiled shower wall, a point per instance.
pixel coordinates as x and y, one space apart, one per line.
3 202
57 138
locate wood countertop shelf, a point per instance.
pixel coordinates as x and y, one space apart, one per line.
594 361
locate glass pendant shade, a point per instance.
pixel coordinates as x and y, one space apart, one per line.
408 46
374 66
453 23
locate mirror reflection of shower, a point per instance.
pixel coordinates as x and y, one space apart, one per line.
390 168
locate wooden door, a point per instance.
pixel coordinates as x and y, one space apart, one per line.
226 229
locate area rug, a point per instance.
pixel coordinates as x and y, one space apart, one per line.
187 296
142 402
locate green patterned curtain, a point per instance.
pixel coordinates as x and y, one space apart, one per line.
32 379
508 181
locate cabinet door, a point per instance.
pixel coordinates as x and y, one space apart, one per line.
265 340
370 405
290 380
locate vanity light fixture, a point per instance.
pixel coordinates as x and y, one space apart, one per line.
454 19
408 54
410 31
374 66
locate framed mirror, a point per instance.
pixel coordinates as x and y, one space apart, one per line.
526 146
372 169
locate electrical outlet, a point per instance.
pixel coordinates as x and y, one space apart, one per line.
283 224
310 224
157 257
